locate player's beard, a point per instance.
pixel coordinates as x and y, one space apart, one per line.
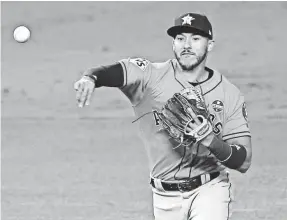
189 67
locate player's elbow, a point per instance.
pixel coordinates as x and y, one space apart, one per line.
244 169
247 163
245 166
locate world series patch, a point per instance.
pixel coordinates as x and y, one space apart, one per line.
140 63
217 106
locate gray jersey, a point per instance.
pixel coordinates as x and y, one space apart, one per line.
149 85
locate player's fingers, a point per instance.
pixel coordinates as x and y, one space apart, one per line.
89 95
188 129
191 126
79 90
84 95
193 115
77 85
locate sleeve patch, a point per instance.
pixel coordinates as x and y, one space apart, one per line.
244 112
140 63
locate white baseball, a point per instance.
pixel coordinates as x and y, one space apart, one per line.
22 34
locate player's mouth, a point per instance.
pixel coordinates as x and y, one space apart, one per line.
187 53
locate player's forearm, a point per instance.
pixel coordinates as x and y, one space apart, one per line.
109 76
232 156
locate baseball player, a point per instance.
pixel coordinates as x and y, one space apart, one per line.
188 181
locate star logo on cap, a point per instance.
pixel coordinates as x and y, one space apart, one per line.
187 19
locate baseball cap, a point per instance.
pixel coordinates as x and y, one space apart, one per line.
191 23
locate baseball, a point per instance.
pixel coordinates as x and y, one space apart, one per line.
22 34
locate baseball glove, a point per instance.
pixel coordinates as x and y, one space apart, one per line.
179 111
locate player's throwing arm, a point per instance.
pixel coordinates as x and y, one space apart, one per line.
110 76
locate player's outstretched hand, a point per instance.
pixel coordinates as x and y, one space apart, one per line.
84 90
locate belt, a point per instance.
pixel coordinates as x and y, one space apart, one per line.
186 185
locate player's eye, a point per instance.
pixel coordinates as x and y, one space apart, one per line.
180 38
196 37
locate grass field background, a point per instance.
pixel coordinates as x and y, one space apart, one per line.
60 162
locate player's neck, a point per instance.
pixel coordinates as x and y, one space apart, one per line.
198 74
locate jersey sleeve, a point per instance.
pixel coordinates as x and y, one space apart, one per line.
137 72
236 124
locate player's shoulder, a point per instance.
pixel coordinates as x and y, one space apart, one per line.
228 86
162 64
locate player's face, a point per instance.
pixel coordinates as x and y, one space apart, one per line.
190 50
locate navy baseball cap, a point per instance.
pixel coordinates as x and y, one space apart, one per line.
191 23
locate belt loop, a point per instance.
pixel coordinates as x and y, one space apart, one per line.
207 177
203 178
157 184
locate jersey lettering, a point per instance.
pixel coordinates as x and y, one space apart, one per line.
217 128
211 117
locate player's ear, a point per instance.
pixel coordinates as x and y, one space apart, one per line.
173 44
210 45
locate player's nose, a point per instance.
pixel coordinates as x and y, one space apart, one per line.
187 44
